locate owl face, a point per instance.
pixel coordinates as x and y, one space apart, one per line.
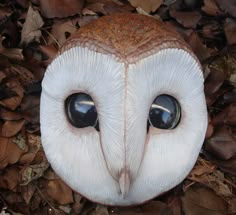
123 113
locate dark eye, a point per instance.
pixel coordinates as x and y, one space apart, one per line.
165 112
80 110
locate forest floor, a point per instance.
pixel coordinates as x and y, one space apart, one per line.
31 33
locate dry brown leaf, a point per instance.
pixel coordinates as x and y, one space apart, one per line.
60 8
227 116
33 172
222 144
10 152
24 75
228 6
55 188
30 109
9 115
228 166
4 12
13 102
49 50
200 200
214 81
198 47
230 31
61 30
11 128
210 7
12 53
34 143
153 207
9 178
187 19
27 192
79 202
148 5
31 28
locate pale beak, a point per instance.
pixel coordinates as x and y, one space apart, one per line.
124 182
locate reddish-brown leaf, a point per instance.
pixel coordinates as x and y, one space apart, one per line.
34 143
214 81
148 5
27 192
222 144
61 30
9 178
60 8
200 200
228 6
55 188
49 50
13 102
11 128
198 47
10 152
153 207
30 109
227 116
9 115
230 31
187 19
210 7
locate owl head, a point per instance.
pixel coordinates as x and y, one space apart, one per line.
123 112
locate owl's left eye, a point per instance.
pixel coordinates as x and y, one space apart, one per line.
165 112
80 110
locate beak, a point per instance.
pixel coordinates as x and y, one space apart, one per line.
124 182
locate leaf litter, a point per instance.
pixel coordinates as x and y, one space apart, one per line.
31 33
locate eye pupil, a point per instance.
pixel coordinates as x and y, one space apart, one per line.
80 110
165 112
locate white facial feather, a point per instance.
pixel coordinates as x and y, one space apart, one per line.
92 162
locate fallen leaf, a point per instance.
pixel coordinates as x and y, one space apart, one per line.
214 81
30 109
33 172
61 30
200 200
9 178
79 202
30 31
222 144
228 166
60 8
148 5
34 144
228 6
187 19
24 75
9 115
227 116
11 128
49 50
211 8
153 207
198 47
230 31
27 192
13 102
4 12
10 152
55 188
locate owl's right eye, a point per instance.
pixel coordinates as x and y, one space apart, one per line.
80 110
